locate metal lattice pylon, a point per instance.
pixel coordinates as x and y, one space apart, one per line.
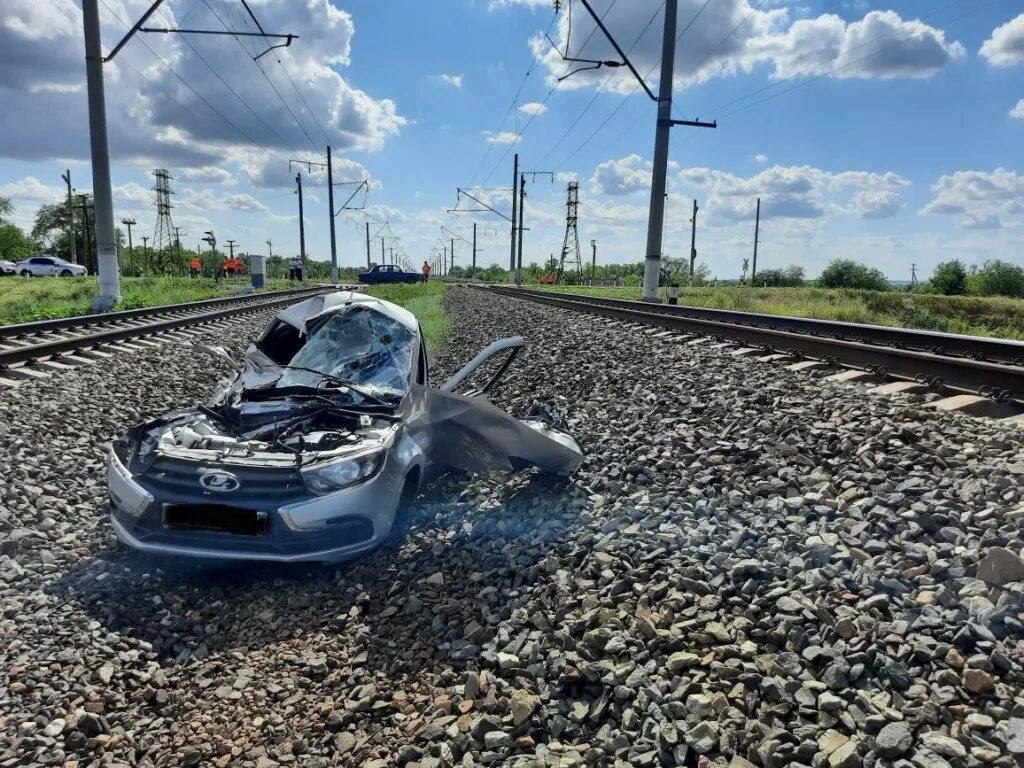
571 258
163 235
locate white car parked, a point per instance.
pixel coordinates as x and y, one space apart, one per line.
39 266
8 267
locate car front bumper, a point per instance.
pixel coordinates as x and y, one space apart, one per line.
316 529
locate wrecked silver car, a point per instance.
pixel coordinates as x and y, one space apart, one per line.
330 426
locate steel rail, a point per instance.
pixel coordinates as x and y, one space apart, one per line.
963 374
19 330
935 342
57 347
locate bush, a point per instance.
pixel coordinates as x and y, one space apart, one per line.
996 278
847 273
949 278
790 277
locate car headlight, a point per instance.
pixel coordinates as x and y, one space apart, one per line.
124 448
342 473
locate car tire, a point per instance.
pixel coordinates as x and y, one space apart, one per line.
66 273
405 512
26 273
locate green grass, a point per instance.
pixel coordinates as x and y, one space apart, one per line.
1001 317
39 298
424 301
25 299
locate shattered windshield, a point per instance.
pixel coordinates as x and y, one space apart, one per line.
360 345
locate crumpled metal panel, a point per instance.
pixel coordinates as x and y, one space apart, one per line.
470 433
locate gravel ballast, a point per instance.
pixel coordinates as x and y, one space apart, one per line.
751 568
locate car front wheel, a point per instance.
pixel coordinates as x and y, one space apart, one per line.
65 273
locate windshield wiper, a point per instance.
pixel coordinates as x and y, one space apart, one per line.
330 377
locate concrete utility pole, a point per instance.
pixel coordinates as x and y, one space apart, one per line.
473 273
129 223
177 242
512 256
656 216
757 229
330 212
231 247
382 259
522 205
368 265
145 239
913 275
693 240
83 202
593 261
270 251
71 218
302 221
106 244
452 263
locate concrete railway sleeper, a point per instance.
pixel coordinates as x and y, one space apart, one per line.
56 345
973 384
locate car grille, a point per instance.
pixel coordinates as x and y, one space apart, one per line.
258 487
215 517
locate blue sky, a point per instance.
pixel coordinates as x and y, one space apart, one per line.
890 132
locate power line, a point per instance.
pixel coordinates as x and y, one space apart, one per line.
636 86
287 74
227 85
513 104
603 85
188 85
291 112
837 68
547 97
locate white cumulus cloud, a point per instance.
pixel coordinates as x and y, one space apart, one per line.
880 45
455 81
1018 111
982 199
797 192
1006 45
624 176
533 108
154 118
501 137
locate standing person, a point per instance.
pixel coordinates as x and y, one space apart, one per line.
426 271
297 266
196 266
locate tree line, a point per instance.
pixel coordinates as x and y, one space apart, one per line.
50 228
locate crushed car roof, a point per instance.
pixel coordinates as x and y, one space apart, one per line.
298 315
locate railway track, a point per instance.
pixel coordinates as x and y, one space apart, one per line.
54 344
980 375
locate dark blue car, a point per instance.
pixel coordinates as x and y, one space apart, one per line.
389 273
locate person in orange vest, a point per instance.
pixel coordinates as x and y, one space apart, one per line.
426 271
196 266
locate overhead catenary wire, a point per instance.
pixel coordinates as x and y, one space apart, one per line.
231 90
601 88
513 105
838 67
298 91
546 98
189 87
715 112
317 150
636 86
